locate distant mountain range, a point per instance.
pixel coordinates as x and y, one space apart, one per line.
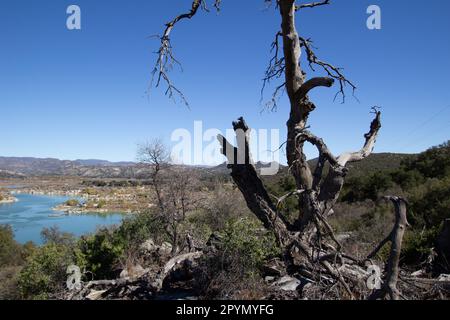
104 163
15 167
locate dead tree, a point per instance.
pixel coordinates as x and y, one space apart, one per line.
154 154
179 200
389 287
172 189
309 243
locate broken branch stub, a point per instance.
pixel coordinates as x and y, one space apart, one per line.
389 287
245 176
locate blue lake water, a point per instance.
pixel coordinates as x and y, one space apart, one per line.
31 213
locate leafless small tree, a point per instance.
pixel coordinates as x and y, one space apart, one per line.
154 154
181 199
172 187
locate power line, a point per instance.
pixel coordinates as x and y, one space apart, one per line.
422 125
430 134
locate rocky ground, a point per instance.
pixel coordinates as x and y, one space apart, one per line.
176 277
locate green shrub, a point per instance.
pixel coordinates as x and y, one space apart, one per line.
12 257
248 239
99 253
430 207
44 273
363 188
408 179
202 224
223 204
433 163
233 268
10 250
9 283
417 245
280 187
54 235
101 204
90 191
28 249
72 203
140 227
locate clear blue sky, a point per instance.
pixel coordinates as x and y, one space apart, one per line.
81 94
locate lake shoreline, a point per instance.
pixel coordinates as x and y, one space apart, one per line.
78 211
32 213
89 204
102 196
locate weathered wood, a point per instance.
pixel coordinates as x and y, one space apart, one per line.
251 186
389 287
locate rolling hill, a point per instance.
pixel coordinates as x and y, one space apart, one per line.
15 167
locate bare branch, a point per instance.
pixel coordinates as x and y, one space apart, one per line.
166 59
314 83
337 275
396 237
324 152
281 200
318 172
217 4
369 144
153 153
332 71
379 247
274 71
312 5
334 181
